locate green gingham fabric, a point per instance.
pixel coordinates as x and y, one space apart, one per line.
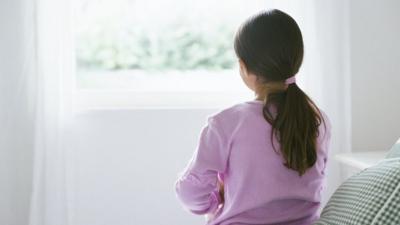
370 197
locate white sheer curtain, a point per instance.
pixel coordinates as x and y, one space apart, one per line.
50 202
35 105
16 111
33 111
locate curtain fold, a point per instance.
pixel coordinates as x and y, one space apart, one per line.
54 67
17 87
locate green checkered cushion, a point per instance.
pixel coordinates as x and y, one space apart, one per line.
394 152
371 196
390 212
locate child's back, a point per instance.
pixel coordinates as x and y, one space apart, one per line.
236 165
259 189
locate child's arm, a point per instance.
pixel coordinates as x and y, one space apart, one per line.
198 187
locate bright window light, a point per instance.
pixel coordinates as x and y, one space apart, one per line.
179 52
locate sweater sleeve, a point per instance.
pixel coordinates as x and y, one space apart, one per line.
197 187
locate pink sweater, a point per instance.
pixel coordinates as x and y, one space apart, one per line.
235 146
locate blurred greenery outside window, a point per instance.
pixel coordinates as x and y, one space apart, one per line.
153 45
177 47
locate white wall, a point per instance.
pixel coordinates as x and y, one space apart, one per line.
375 73
126 163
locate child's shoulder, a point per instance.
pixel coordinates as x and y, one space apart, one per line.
325 125
325 119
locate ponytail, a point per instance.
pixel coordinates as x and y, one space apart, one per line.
270 44
295 125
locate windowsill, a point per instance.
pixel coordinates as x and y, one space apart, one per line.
125 99
361 160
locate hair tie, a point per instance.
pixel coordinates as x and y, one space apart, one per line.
290 80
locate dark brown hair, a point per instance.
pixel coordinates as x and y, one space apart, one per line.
271 46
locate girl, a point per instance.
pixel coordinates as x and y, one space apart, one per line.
262 161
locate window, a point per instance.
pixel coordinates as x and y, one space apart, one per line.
149 53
